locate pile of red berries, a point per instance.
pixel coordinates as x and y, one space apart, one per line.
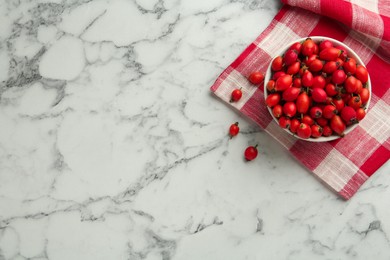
316 89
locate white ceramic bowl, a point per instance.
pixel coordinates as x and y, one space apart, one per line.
317 39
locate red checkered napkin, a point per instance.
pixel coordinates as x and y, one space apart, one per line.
344 164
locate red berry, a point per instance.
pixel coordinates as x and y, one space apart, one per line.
338 77
303 103
236 95
331 90
283 83
361 73
271 85
319 95
278 75
307 120
296 47
272 99
250 153
330 67
364 95
284 122
234 129
355 103
297 83
319 82
294 125
350 65
290 57
256 77
277 111
316 65
325 44
307 79
351 84
339 103
348 114
337 125
304 131
329 54
293 68
326 131
316 112
289 109
316 131
310 59
360 114
308 47
291 94
322 121
329 111
277 64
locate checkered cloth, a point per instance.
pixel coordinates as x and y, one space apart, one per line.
344 164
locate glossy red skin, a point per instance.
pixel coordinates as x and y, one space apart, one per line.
278 75
277 64
319 95
315 112
355 103
350 65
297 83
284 122
271 85
250 153
329 54
273 99
348 114
308 47
290 57
364 95
331 90
325 44
361 73
326 131
337 125
322 121
283 83
344 53
236 95
277 111
330 67
351 84
291 94
234 129
359 87
294 125
307 79
339 103
346 97
338 77
293 68
289 109
329 111
307 120
319 82
340 62
310 59
360 114
297 47
256 77
304 131
316 65
316 131
302 103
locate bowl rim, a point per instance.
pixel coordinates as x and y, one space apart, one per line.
351 53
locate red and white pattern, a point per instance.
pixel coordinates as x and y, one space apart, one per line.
344 164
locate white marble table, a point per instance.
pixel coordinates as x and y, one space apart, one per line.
112 147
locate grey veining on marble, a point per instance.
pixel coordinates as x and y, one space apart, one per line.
112 147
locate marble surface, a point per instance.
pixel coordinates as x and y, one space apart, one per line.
112 147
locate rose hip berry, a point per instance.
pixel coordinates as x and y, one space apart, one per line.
251 153
234 129
256 77
304 131
236 95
